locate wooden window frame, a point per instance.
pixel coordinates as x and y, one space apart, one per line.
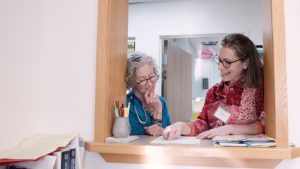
110 86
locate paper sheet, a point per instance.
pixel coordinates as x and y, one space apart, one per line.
37 146
121 140
180 140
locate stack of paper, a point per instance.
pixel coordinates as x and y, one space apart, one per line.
244 141
71 156
46 151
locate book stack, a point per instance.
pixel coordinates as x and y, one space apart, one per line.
45 151
244 141
65 159
70 157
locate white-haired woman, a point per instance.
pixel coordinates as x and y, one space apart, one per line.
148 112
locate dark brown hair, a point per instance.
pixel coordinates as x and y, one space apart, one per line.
245 49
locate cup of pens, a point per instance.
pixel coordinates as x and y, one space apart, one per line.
121 126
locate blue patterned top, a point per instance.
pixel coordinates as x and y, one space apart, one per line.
140 118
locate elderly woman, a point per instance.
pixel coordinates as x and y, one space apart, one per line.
148 112
234 106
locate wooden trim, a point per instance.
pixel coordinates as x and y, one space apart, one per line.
275 90
203 155
295 152
110 86
281 102
111 62
192 161
274 153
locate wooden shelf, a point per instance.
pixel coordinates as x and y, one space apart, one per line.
204 154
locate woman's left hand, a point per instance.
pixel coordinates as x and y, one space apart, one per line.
154 130
220 131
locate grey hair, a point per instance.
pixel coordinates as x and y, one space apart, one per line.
134 62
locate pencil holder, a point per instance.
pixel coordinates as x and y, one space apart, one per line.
121 127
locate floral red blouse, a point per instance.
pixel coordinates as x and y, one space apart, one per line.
245 106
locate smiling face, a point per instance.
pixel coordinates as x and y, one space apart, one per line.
234 71
145 72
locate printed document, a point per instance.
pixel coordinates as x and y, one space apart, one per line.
179 140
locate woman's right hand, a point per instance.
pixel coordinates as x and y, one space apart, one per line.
153 104
176 130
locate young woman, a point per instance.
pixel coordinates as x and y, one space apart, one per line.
234 106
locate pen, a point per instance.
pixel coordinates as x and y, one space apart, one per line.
122 110
116 110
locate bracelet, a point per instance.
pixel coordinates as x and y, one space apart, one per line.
157 120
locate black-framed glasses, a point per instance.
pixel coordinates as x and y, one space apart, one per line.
145 81
225 63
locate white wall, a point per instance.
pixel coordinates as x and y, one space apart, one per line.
148 21
47 68
20 70
47 72
292 27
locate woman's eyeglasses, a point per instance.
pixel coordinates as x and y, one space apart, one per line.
225 63
145 81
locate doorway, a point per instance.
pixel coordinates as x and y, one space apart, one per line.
188 71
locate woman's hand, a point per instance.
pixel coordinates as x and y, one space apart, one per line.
172 132
219 131
237 129
154 130
176 130
153 104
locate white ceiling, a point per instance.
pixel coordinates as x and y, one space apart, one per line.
146 1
